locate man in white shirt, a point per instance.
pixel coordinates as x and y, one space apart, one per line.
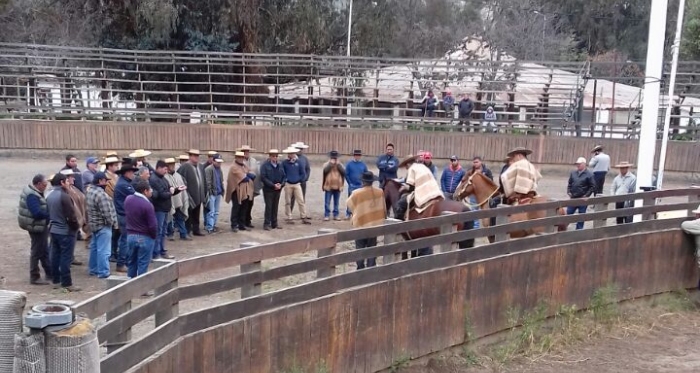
625 183
600 165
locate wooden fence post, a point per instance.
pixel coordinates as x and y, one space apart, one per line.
124 338
600 223
250 289
389 238
549 213
500 220
174 310
648 201
330 271
446 229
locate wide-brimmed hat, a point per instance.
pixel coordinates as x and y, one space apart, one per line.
597 148
212 153
169 160
68 172
183 157
126 168
696 211
357 152
239 154
111 153
245 148
193 152
519 150
624 164
581 160
408 159
273 151
140 153
111 160
333 154
300 145
368 177
290 150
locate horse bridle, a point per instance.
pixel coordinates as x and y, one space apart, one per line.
488 198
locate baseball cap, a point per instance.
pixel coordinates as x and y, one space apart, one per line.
92 160
454 158
99 176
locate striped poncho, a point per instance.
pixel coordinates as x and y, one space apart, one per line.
426 187
521 177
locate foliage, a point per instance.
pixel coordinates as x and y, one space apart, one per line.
690 46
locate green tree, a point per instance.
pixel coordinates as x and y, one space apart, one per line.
690 47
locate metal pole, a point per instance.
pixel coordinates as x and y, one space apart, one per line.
652 86
671 92
349 27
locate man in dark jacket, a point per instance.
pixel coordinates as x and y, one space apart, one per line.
273 179
161 198
34 218
465 107
64 229
72 164
193 174
122 190
581 185
388 165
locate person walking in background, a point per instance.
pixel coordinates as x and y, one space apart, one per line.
332 185
92 164
273 180
102 219
581 185
72 164
368 210
161 198
141 228
303 161
295 175
214 178
180 202
452 175
600 163
122 190
239 191
193 174
353 174
624 183
388 165
465 109
253 167
64 229
33 217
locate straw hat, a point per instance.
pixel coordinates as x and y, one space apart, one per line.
50 177
111 160
624 164
273 151
68 172
169 160
245 148
519 150
184 157
193 152
111 153
212 153
300 145
408 159
290 150
140 153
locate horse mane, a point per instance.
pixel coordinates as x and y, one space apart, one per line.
486 179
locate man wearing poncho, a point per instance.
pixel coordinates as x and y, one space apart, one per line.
521 178
239 191
423 188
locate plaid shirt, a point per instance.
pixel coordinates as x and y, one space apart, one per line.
100 209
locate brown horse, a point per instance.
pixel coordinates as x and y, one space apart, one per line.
392 195
484 189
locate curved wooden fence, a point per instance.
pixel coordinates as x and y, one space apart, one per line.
363 320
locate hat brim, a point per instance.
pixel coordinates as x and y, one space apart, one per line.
139 154
624 165
519 151
596 149
410 159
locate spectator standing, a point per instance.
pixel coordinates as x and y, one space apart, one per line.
353 174
102 219
388 165
624 183
78 199
303 161
122 190
600 162
295 173
239 191
368 210
139 159
92 164
581 185
465 108
254 167
63 228
111 165
33 217
333 182
452 175
273 180
143 173
490 120
161 197
193 174
427 159
141 228
180 201
205 204
214 178
72 164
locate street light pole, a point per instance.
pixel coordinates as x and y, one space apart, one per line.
349 27
544 32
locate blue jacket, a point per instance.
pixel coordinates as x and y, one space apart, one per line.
294 170
450 178
353 174
122 190
304 163
271 175
388 168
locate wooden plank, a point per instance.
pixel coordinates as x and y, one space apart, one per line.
255 288
113 327
330 271
260 343
124 335
133 353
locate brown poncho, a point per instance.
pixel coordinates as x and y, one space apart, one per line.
236 174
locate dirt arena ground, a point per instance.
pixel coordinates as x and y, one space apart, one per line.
18 167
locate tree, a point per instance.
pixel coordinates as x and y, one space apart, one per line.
690 47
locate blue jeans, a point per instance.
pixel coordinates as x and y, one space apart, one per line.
100 250
365 243
123 253
62 247
159 245
213 214
581 210
141 249
350 190
335 195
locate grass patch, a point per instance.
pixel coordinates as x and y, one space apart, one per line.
399 363
675 301
604 305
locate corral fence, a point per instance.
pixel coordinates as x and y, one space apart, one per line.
558 98
363 320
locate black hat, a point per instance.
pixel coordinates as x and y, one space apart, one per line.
333 154
126 167
357 152
368 177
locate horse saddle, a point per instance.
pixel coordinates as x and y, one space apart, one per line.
522 199
431 208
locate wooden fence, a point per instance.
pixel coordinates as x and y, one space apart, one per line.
363 320
177 137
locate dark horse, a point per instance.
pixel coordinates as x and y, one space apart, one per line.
391 197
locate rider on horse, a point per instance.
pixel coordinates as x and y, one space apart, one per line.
421 186
520 178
